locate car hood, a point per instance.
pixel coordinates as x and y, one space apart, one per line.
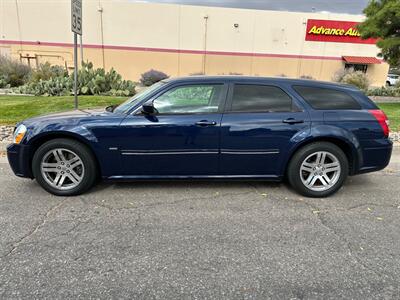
80 122
71 117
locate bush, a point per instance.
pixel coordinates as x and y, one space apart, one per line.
12 72
55 86
356 78
90 82
307 77
150 77
384 91
46 71
96 81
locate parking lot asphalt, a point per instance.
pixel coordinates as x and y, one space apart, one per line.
201 240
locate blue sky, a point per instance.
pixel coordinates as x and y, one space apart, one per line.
339 6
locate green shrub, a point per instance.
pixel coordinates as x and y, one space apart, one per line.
96 81
55 86
12 72
90 82
3 82
384 91
150 77
46 71
356 78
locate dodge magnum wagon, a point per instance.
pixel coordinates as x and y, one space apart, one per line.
313 133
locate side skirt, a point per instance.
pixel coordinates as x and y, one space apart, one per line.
190 177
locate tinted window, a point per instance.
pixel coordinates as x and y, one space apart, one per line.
323 98
189 99
260 98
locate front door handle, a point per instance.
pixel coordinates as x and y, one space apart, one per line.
205 123
292 121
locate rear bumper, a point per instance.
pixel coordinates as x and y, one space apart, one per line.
19 157
376 158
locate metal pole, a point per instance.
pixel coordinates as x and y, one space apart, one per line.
81 47
76 70
205 44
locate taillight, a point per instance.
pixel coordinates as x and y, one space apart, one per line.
382 119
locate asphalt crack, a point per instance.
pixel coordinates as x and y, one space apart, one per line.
111 208
35 229
319 215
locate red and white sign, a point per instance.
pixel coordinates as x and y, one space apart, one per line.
334 31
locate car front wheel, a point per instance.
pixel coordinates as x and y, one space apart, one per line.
318 169
64 167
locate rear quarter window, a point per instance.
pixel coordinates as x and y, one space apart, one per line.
326 98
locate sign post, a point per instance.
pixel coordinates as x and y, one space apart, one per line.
76 27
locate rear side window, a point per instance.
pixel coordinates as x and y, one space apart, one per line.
259 98
325 98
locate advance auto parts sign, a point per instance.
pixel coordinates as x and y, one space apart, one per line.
334 31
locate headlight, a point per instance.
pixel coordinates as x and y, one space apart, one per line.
19 134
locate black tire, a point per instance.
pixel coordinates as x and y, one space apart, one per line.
90 167
293 170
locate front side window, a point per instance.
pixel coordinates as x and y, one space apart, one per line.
325 98
190 99
260 98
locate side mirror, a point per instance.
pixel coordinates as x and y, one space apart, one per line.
111 108
148 108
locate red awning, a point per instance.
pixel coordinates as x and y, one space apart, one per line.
362 60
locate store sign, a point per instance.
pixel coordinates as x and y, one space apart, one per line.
334 31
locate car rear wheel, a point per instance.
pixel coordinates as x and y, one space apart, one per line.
318 169
64 167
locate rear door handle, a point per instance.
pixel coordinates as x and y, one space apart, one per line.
205 123
292 121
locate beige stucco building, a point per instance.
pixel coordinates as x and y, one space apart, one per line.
134 37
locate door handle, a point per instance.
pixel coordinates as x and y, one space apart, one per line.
292 121
205 123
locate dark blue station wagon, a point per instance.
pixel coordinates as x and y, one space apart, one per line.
313 133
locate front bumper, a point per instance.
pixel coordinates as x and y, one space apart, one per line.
19 158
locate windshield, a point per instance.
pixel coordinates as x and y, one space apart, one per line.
128 104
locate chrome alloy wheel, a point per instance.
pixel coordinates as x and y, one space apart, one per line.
320 171
63 169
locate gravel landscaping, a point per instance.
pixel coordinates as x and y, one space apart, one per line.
6 133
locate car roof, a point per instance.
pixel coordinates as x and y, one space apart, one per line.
285 80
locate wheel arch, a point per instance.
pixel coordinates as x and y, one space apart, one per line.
350 150
39 140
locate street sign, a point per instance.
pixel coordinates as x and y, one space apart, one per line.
76 16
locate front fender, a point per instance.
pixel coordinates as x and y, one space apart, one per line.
78 132
34 139
330 133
